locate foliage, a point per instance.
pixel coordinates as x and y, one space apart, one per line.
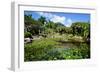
63 30
48 51
49 31
42 20
38 48
28 20
27 35
81 29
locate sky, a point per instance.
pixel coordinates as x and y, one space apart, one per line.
65 18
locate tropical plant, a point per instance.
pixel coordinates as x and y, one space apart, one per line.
81 29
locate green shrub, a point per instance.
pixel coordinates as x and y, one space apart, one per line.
27 35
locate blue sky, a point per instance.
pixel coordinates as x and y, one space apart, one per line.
65 18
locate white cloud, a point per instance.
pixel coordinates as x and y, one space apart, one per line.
68 22
55 18
48 15
60 19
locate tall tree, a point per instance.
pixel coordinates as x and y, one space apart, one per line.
42 20
81 29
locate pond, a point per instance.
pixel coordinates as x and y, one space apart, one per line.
69 45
